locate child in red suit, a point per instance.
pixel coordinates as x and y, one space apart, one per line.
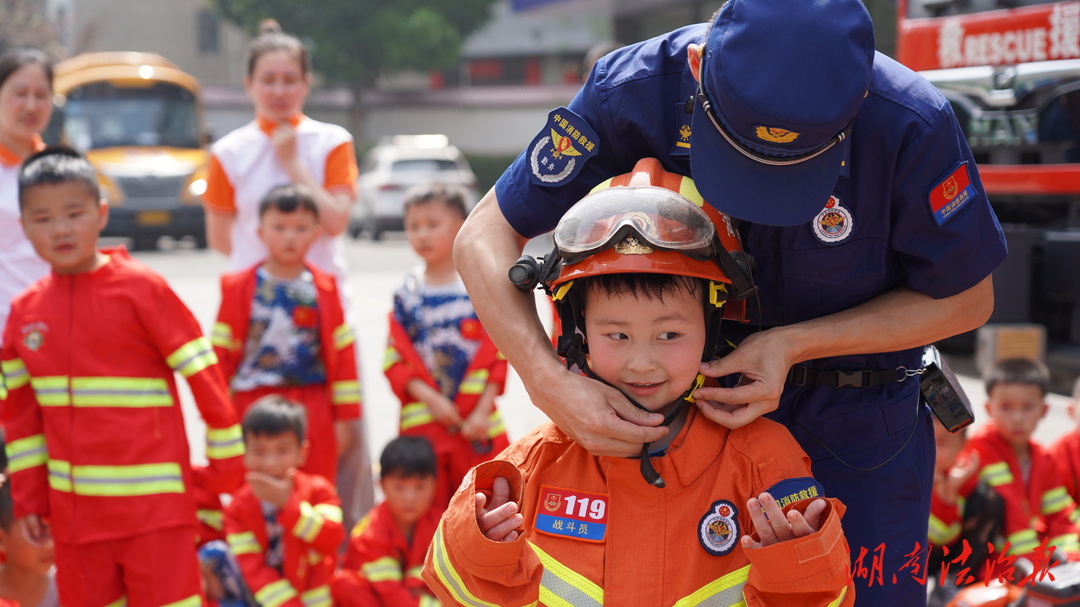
284 526
439 360
281 329
97 445
387 548
1066 450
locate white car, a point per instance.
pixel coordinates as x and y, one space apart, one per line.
393 166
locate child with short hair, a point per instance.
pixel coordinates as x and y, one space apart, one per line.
386 552
1037 505
283 525
281 329
548 521
96 437
1066 450
27 576
440 362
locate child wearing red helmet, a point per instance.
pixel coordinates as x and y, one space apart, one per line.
722 516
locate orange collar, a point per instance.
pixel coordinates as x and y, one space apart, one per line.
10 159
268 126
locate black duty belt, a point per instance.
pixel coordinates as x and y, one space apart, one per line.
801 375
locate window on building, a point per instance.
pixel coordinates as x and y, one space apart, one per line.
209 31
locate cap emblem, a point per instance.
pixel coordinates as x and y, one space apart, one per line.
774 134
632 246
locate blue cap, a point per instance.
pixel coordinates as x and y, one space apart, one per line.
784 79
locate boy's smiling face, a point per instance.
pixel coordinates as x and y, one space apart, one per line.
647 347
274 454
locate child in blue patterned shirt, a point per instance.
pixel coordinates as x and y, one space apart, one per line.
440 361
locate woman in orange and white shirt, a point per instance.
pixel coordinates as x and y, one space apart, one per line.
25 107
280 146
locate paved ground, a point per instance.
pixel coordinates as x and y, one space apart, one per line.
375 271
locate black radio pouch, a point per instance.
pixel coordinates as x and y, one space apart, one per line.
943 393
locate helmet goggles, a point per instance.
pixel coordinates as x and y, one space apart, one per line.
636 219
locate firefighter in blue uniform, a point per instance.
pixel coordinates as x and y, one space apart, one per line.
861 205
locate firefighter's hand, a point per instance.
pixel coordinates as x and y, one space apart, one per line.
284 143
598 417
498 520
777 527
269 489
763 363
34 530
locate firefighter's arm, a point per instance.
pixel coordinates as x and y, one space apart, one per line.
811 569
316 521
24 435
463 566
893 321
178 337
372 557
268 586
345 384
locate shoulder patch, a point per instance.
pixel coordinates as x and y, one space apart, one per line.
951 193
561 148
791 490
572 514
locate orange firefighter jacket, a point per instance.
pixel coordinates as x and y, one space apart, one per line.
95 435
402 363
338 354
1038 510
596 533
312 533
390 564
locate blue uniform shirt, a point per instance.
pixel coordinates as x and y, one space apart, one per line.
877 233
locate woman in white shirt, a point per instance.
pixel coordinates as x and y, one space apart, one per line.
25 108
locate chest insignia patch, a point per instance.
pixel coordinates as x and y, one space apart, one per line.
951 193
34 335
834 223
561 148
718 530
573 514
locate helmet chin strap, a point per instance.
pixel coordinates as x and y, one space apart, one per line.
576 354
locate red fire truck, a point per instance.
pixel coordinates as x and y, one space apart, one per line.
1011 69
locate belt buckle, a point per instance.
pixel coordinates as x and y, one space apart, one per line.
850 379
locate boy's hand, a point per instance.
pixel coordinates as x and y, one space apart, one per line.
777 527
34 530
500 520
947 486
271 490
443 411
475 427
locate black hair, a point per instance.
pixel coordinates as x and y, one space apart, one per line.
653 286
54 165
16 59
7 507
453 196
271 39
407 456
289 198
274 415
1018 371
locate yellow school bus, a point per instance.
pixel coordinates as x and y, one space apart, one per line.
139 120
